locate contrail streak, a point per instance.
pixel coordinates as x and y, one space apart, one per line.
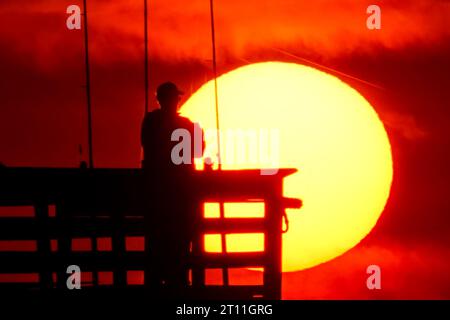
329 69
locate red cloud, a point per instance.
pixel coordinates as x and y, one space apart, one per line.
180 29
408 271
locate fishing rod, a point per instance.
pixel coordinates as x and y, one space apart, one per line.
146 56
216 94
88 86
223 241
89 112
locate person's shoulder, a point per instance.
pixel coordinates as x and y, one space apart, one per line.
184 119
184 122
152 116
154 113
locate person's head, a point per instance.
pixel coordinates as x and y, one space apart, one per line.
168 96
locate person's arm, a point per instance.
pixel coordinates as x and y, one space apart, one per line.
143 130
198 152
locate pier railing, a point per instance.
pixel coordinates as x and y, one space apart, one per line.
51 219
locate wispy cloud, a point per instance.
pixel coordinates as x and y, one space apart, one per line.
404 124
408 271
180 29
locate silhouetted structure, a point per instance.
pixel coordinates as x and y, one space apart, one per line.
111 203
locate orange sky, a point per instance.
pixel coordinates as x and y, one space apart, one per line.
181 31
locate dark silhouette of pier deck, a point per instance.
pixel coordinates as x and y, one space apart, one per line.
69 204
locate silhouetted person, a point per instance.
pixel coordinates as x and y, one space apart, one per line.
171 218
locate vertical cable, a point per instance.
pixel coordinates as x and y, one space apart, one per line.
216 96
146 55
88 87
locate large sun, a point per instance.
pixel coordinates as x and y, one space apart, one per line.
328 131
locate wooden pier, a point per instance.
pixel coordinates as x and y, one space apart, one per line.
108 205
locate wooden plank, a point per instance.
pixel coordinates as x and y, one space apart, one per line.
30 229
43 244
273 244
231 292
230 260
233 225
21 262
198 243
119 247
112 187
